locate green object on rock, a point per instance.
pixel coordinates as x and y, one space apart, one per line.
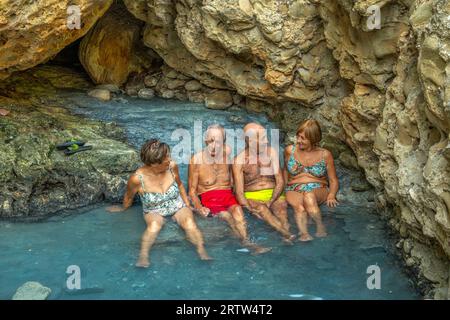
74 147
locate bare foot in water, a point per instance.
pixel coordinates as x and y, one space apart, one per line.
142 262
321 231
204 255
256 250
321 234
305 237
289 240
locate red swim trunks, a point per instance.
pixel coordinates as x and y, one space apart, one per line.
218 200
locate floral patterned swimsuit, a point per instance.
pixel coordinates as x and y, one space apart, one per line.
163 203
294 167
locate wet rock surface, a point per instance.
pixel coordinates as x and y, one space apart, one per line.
38 180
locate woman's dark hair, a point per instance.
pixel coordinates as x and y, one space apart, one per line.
154 152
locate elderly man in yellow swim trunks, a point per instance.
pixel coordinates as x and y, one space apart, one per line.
259 180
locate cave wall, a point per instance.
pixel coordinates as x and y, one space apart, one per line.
384 92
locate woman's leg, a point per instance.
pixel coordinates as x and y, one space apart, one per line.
295 200
185 220
312 200
154 224
237 215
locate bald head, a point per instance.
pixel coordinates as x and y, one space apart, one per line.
252 126
255 137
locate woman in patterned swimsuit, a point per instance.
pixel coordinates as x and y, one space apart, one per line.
162 195
306 170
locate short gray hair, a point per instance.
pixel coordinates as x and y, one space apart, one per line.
217 127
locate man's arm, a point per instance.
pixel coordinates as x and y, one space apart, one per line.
279 180
238 177
193 174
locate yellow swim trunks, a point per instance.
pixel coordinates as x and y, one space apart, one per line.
263 195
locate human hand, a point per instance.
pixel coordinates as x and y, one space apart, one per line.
203 211
331 201
114 209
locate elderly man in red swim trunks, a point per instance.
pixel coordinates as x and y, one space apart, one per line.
210 185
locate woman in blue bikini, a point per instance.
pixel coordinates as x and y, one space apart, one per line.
162 195
311 178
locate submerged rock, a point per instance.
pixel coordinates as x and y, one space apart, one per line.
113 88
32 291
100 94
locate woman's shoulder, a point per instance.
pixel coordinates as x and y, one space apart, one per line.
173 165
325 152
288 148
139 171
135 177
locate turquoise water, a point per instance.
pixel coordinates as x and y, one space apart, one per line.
105 246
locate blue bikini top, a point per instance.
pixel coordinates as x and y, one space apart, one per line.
294 167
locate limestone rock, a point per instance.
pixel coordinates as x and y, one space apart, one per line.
397 119
151 81
146 93
168 94
193 85
175 83
110 87
38 180
255 48
34 33
101 94
32 291
112 49
220 99
134 83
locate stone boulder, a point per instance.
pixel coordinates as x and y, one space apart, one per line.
33 33
100 94
193 85
32 291
37 180
112 49
146 93
219 99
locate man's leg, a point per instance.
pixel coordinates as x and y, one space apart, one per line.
227 217
279 209
241 225
265 213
